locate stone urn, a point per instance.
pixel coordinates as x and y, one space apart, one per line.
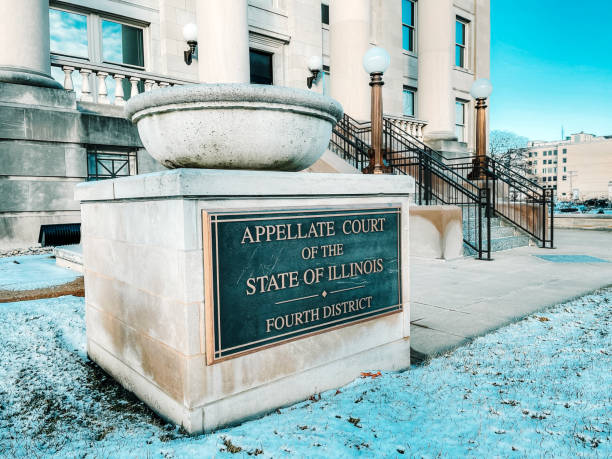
234 126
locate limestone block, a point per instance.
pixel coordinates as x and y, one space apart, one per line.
436 232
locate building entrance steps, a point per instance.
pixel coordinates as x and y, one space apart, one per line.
453 302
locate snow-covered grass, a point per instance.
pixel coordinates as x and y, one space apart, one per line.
537 388
31 272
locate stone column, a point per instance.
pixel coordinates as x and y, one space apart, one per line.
349 39
223 41
436 25
24 34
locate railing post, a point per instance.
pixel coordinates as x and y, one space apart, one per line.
85 89
489 216
479 223
134 89
102 91
68 77
149 84
552 220
119 100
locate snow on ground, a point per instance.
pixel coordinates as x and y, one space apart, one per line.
32 272
537 388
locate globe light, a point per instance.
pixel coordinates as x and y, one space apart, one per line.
190 32
376 60
481 89
315 64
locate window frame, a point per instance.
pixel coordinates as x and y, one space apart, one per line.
463 126
411 28
128 155
95 48
413 90
465 46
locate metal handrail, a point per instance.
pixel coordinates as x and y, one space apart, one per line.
435 181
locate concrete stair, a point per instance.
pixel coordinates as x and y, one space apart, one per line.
504 236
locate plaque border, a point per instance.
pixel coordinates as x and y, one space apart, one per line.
209 288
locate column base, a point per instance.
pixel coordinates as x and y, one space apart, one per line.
27 77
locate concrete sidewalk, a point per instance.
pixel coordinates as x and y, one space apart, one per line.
455 301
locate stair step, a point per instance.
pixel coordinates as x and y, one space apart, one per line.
471 222
504 243
497 232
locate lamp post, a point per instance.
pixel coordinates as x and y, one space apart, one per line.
481 89
375 62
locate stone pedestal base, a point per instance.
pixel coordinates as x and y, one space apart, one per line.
145 296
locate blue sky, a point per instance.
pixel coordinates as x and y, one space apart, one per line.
551 66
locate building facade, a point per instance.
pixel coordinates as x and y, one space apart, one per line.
578 168
74 63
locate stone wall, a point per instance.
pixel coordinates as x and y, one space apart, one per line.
44 138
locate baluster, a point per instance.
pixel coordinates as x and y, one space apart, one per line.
149 85
119 100
102 91
68 86
134 89
164 84
85 90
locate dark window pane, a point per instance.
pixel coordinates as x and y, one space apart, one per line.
324 13
261 67
408 12
68 33
122 44
460 33
408 38
408 102
458 56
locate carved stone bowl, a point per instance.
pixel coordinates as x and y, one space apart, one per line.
234 126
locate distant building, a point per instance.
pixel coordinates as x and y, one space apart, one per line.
578 168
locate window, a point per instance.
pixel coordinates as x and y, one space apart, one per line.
114 42
554 178
408 95
555 152
535 171
535 154
408 25
68 33
535 162
565 151
564 169
324 13
261 67
122 44
460 120
530 154
93 38
110 164
564 178
564 160
460 43
543 153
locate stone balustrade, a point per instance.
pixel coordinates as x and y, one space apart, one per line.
411 126
93 81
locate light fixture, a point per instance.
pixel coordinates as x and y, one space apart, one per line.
481 89
376 60
315 65
190 34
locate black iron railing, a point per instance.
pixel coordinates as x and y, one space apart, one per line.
516 198
436 183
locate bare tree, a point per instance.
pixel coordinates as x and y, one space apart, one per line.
510 150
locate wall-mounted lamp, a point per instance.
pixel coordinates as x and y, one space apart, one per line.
190 34
315 65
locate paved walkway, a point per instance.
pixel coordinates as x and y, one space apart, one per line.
455 301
